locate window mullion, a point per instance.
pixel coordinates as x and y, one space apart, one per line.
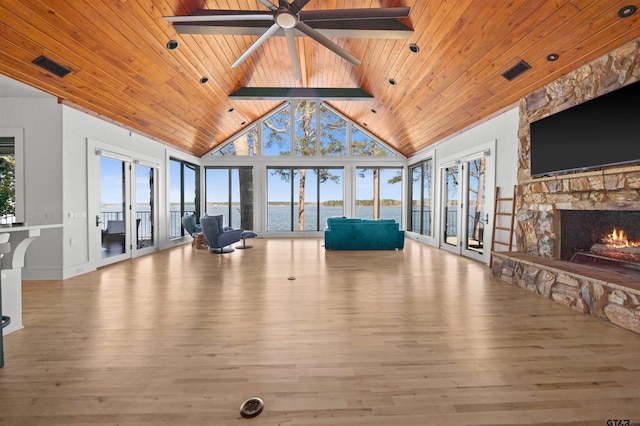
292 179
292 128
318 130
318 199
229 190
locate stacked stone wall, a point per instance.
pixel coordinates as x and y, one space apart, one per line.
586 295
613 188
538 201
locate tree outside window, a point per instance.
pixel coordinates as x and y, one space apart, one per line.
7 180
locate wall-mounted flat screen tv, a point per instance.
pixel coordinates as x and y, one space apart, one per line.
603 131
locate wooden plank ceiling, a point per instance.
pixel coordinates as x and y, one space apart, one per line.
123 72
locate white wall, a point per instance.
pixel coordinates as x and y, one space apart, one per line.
81 131
41 119
504 130
501 132
58 178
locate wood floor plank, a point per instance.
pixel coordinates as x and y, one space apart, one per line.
410 337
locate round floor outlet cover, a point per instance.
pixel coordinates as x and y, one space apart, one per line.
251 408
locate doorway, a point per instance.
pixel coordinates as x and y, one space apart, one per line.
463 206
124 207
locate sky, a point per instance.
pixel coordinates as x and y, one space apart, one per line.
111 182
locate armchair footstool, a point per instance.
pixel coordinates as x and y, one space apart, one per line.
244 236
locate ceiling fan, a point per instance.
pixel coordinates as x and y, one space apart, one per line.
290 20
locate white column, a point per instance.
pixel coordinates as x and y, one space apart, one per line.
12 264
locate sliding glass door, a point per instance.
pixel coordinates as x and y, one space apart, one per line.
124 208
113 220
474 202
463 201
450 207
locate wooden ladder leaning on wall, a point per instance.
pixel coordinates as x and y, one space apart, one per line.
504 207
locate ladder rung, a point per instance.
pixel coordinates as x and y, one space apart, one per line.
500 242
503 214
504 199
502 228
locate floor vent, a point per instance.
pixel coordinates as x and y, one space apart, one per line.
51 66
516 70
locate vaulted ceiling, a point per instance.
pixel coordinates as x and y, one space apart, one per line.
122 71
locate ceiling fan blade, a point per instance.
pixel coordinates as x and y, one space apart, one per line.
317 36
347 14
223 16
293 53
268 4
271 31
283 3
297 5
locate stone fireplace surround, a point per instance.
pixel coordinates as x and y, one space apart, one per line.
609 295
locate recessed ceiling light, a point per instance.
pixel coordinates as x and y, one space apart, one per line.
243 123
414 48
230 110
552 57
365 124
627 11
172 44
392 82
373 111
203 80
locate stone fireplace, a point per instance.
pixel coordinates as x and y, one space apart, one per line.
560 215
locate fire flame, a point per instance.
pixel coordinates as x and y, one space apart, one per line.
618 239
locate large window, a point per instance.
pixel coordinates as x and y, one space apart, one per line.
229 192
304 128
363 145
333 135
421 202
379 193
246 143
184 194
276 132
301 199
145 205
309 152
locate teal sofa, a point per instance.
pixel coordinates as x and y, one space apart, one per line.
363 234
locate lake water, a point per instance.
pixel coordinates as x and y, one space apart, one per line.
278 216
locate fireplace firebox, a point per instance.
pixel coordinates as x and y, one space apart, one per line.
603 237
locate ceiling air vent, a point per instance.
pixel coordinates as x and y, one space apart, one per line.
516 70
51 66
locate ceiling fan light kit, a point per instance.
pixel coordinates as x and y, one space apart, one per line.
290 20
285 18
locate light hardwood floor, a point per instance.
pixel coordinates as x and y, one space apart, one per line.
413 337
